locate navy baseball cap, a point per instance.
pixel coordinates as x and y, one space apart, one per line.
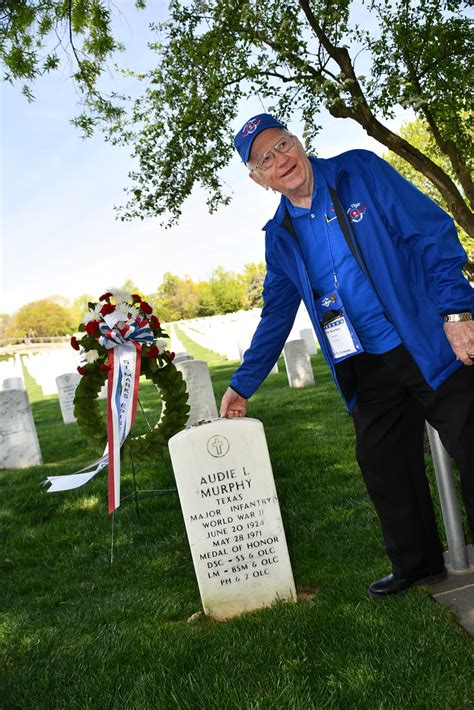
245 137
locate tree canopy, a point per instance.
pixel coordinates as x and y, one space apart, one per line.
296 57
42 318
418 134
36 36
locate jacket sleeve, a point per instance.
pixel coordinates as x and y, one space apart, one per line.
281 301
415 219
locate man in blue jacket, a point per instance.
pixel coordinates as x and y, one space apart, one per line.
379 268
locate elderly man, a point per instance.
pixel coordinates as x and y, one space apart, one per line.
379 268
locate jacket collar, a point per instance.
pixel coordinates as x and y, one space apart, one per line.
326 172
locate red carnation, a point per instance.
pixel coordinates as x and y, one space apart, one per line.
172 356
145 307
82 371
153 351
74 343
92 327
155 323
104 367
136 297
107 308
105 296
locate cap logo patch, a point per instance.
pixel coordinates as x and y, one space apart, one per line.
250 127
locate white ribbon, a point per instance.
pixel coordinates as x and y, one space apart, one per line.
121 401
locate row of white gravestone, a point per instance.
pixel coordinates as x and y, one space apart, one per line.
15 430
229 334
45 367
198 382
243 344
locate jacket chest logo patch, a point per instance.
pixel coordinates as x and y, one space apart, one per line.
356 212
330 215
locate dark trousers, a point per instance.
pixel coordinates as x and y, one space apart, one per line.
393 402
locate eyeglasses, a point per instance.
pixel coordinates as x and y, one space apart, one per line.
284 145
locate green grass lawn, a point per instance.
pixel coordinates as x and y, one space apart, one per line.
80 632
197 351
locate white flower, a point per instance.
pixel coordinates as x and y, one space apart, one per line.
133 313
119 295
93 314
121 312
92 356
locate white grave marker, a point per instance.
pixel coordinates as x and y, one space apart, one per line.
13 383
182 357
232 516
307 334
243 344
298 364
67 389
201 395
19 446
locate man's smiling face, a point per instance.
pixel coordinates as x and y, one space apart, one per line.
290 174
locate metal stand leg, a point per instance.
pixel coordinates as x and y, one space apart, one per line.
458 552
113 539
136 492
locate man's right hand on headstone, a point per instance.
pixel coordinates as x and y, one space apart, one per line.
233 405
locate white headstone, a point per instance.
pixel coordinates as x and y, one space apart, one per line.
13 383
103 390
307 334
298 364
232 516
19 446
243 344
200 392
182 357
67 389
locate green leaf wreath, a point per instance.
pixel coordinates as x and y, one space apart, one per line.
156 364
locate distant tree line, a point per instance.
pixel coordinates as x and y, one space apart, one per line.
176 298
225 292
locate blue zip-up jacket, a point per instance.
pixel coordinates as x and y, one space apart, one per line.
413 255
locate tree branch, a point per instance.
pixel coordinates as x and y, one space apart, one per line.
448 147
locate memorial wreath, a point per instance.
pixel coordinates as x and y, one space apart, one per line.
122 339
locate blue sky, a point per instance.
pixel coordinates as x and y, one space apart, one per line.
59 231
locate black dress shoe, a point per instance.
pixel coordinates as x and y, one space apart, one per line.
392 584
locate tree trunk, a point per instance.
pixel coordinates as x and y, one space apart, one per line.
361 112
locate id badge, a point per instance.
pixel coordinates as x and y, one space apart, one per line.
338 330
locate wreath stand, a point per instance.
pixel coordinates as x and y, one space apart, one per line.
136 493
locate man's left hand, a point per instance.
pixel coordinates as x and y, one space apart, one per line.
461 339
